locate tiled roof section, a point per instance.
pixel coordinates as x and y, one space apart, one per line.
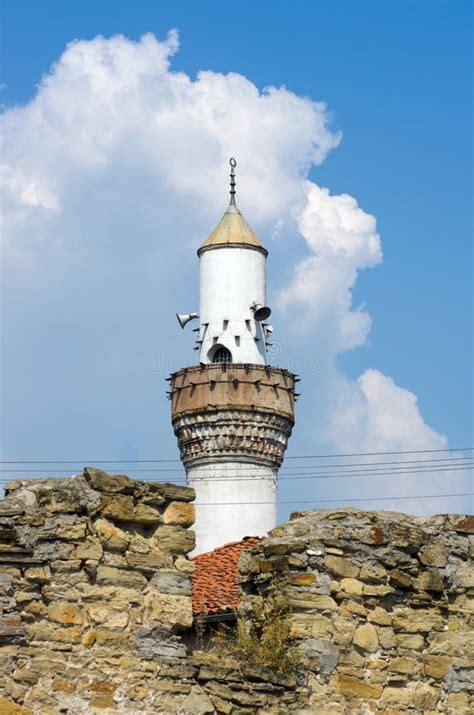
215 587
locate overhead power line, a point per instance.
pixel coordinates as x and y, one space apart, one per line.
338 501
221 473
359 466
297 456
363 467
375 454
298 476
304 475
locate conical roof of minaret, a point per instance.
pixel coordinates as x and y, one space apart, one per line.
232 229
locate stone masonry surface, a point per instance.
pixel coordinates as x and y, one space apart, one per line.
382 603
95 607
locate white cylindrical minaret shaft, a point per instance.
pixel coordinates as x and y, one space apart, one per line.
232 279
232 498
232 414
232 283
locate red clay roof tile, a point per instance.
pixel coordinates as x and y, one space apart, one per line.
215 587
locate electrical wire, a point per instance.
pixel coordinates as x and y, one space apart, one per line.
297 456
338 476
360 465
337 501
408 464
303 475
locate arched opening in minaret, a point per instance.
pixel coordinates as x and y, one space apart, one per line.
220 354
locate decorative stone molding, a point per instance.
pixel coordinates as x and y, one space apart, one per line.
242 412
244 435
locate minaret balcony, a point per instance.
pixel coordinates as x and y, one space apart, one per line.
232 410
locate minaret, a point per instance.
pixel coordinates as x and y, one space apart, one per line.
232 413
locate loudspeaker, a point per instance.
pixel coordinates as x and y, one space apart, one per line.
184 318
261 312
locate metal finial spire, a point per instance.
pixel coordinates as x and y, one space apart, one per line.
233 164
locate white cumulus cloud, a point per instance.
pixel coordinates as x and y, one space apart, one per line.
375 414
343 240
111 106
111 175
371 414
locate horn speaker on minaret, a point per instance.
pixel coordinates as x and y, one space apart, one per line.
184 318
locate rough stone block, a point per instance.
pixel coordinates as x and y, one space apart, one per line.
11 507
459 644
406 641
353 689
147 515
434 554
302 579
396 698
150 562
311 625
373 571
430 580
175 539
179 514
311 601
8 707
424 696
41 631
173 611
342 567
197 702
71 532
112 536
400 579
38 574
464 575
436 666
352 586
377 590
67 613
63 685
172 492
117 508
172 582
366 638
103 482
386 637
108 575
89 550
380 617
459 704
417 620
185 565
113 615
404 665
113 639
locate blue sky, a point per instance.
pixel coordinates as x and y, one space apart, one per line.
396 78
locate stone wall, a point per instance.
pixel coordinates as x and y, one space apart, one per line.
382 604
94 588
95 598
95 607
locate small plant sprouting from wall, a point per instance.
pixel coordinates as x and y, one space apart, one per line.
263 639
